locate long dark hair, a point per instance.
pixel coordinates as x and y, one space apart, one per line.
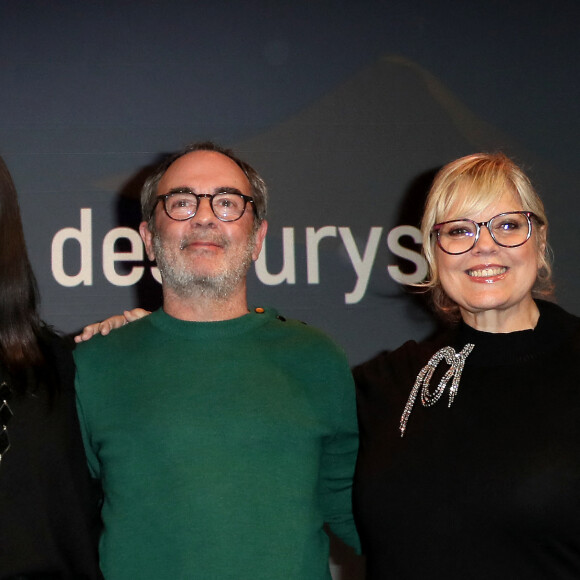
20 325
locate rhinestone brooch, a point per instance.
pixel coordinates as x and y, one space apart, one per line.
456 362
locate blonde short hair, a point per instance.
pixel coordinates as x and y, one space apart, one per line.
476 181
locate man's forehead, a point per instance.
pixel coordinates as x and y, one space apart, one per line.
204 170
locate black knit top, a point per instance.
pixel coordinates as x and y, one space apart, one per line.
488 487
48 503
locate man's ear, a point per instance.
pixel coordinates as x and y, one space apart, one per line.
147 237
260 235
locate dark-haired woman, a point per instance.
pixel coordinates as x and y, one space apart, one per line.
48 506
469 464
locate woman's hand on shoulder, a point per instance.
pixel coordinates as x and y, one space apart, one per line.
111 323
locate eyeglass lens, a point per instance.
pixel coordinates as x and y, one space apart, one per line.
226 206
508 230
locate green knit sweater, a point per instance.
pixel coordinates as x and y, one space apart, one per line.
222 447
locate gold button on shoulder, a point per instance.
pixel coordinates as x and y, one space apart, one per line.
260 310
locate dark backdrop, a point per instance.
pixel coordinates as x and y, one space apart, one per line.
346 107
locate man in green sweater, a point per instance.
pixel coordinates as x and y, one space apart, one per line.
223 438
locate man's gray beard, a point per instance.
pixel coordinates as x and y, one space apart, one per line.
187 283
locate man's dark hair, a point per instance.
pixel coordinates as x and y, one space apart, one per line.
258 188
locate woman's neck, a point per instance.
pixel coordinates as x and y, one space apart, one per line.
522 317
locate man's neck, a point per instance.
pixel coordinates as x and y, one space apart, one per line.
203 308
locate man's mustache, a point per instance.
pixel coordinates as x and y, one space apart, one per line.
211 237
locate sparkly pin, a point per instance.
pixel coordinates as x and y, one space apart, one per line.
456 362
5 416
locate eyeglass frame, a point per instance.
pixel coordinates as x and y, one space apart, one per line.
198 196
478 225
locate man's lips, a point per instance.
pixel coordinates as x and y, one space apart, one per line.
202 243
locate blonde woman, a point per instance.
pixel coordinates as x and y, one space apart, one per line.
469 465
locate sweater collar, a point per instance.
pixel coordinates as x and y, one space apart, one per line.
555 327
219 330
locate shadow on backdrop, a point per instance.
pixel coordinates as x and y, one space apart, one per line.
148 292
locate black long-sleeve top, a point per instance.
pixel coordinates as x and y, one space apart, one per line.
48 503
488 488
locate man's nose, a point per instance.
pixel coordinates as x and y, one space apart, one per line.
204 212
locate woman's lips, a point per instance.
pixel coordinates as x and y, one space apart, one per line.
487 271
